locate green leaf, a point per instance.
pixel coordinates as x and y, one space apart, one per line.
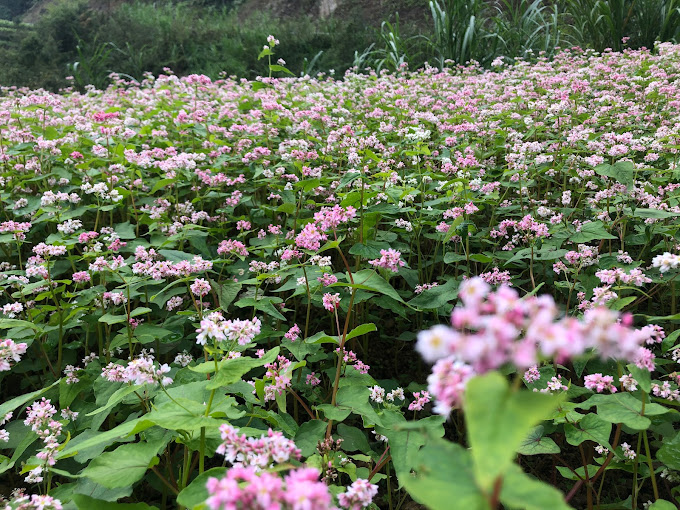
444 478
406 438
334 413
651 213
163 183
370 280
521 491
622 171
623 408
308 436
435 297
590 232
196 492
12 404
233 370
347 179
111 319
321 338
353 439
356 399
209 367
16 323
590 428
642 376
537 444
126 230
281 69
69 392
124 466
498 421
669 453
662 504
27 441
84 502
117 433
226 292
190 416
361 330
287 208
114 399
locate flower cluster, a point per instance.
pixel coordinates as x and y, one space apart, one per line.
261 453
10 351
215 327
229 247
279 373
245 487
389 259
491 329
140 370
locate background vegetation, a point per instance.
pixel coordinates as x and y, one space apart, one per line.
41 43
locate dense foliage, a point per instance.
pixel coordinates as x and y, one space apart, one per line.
219 293
89 39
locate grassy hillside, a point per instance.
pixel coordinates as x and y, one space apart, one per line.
90 39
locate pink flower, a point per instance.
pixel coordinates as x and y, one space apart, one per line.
200 287
331 301
310 238
327 279
600 383
10 351
389 259
358 495
532 374
81 277
421 399
229 247
293 333
447 383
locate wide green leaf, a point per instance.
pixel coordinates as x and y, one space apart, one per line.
308 436
436 297
116 398
536 444
196 492
624 408
498 421
233 370
15 402
361 330
669 453
124 466
590 428
371 280
662 504
84 502
445 478
356 399
226 292
521 491
406 438
122 431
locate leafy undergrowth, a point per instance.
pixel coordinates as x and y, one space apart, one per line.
229 294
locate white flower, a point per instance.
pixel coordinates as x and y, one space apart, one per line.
435 343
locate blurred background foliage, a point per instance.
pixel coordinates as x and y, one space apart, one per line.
44 41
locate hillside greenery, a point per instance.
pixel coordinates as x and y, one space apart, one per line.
89 40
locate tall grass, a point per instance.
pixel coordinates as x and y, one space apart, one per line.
458 30
525 27
140 37
601 24
210 37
